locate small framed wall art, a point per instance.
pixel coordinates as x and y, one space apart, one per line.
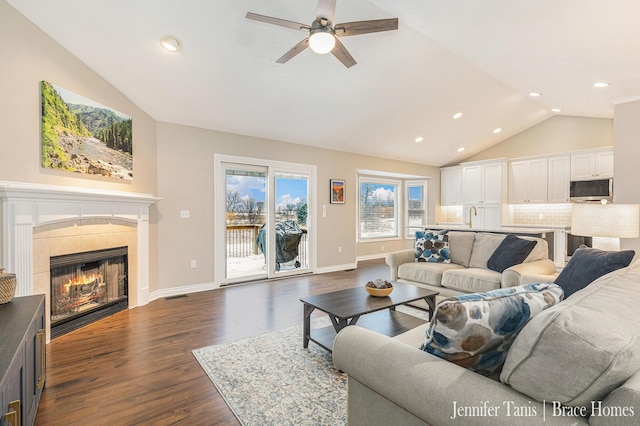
337 191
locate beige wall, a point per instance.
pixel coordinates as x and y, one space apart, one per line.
556 134
186 159
28 56
626 155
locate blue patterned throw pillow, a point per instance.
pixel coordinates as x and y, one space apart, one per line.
432 246
476 330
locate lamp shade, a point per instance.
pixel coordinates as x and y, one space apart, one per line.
605 220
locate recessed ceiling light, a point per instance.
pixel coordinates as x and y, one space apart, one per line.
171 43
419 139
461 149
534 94
600 84
498 130
556 110
457 115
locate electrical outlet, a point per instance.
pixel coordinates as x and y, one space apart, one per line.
194 264
540 216
339 249
184 214
324 210
381 248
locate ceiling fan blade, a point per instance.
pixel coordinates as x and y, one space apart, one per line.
294 51
326 9
343 55
277 21
365 27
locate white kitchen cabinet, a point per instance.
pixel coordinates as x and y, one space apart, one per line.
590 165
451 186
484 182
472 184
559 179
528 181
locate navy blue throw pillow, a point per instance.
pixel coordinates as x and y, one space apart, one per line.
588 264
511 251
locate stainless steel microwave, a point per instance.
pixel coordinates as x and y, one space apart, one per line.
591 190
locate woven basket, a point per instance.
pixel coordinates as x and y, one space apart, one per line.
7 286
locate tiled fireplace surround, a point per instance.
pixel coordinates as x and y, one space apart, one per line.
40 221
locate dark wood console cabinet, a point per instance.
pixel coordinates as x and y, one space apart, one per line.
22 359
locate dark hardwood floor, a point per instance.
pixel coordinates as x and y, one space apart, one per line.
136 367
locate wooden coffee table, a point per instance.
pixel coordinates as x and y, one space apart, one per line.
345 307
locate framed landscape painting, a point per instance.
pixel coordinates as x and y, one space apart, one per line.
83 136
337 191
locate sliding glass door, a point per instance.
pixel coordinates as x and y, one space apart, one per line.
291 213
267 221
245 221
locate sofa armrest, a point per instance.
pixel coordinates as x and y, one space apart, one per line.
426 386
396 259
516 275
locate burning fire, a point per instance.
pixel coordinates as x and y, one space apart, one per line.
82 281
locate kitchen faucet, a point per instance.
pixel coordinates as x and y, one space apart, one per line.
475 213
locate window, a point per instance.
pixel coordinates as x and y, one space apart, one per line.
416 207
378 208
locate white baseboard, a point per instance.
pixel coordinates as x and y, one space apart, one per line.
371 257
195 288
336 268
177 291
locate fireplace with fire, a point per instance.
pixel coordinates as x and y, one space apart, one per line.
86 287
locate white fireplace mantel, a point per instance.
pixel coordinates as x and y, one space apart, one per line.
26 205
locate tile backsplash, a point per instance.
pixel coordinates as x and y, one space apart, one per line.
520 214
450 214
540 214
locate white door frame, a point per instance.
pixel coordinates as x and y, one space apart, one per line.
219 214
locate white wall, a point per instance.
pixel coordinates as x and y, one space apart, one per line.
28 56
186 181
626 156
554 135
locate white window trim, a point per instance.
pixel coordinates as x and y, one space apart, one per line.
425 204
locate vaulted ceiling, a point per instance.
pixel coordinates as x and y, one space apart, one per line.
479 57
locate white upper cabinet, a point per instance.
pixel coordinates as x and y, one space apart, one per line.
484 182
472 184
528 181
559 179
592 165
451 186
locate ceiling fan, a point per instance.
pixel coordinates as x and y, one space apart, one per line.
323 34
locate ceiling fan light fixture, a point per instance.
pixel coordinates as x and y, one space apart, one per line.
322 40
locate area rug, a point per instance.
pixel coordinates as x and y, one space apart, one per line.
272 380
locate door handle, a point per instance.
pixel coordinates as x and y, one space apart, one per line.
43 358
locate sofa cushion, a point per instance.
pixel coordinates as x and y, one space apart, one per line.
625 401
460 245
475 330
580 350
511 251
471 280
588 264
483 247
432 246
540 250
425 272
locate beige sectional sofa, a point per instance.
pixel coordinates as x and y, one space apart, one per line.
468 271
575 363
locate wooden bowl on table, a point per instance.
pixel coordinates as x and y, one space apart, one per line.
379 292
